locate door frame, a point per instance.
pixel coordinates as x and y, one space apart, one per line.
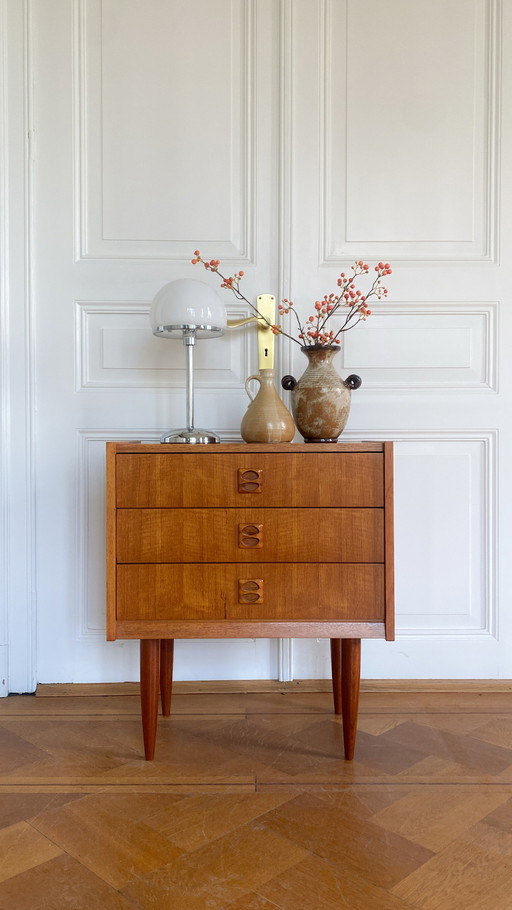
17 444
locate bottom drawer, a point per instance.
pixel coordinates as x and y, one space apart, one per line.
266 591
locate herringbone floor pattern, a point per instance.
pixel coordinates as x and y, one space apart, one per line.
249 806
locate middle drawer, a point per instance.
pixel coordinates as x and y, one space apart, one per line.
250 535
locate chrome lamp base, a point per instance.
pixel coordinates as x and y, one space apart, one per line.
190 435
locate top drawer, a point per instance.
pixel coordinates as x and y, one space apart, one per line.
174 480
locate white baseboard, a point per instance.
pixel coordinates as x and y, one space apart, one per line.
233 686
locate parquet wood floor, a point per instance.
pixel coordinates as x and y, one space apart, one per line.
249 805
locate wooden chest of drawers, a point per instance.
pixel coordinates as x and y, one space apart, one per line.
249 541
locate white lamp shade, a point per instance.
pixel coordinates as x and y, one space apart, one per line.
188 304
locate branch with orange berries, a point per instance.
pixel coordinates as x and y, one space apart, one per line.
348 301
233 283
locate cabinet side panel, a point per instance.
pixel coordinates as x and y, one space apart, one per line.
111 542
389 541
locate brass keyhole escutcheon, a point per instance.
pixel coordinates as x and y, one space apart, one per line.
250 536
249 481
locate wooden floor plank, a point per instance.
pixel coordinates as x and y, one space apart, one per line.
472 873
344 839
436 819
101 840
61 883
256 854
199 820
21 848
316 883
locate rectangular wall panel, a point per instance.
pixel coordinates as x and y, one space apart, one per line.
445 531
425 346
116 349
410 142
156 144
440 501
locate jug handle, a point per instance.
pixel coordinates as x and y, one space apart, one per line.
249 378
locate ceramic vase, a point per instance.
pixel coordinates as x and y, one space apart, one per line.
320 398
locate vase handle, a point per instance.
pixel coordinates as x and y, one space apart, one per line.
288 383
247 381
353 381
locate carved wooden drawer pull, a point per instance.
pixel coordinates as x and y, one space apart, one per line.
250 536
249 481
250 590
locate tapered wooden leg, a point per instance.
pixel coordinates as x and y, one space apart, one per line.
166 664
149 690
350 684
336 673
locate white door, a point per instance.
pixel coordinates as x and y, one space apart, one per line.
287 138
155 133
408 110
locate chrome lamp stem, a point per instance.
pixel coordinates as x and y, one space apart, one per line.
189 340
190 434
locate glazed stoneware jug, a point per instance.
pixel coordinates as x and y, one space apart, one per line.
266 419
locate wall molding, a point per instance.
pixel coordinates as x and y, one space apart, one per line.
488 439
285 235
91 321
89 239
5 390
425 252
17 471
481 371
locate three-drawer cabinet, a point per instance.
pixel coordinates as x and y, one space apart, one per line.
246 541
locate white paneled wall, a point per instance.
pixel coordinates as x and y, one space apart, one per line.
286 137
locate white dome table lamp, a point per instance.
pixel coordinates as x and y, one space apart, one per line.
188 309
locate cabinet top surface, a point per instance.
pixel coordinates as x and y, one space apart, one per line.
223 447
